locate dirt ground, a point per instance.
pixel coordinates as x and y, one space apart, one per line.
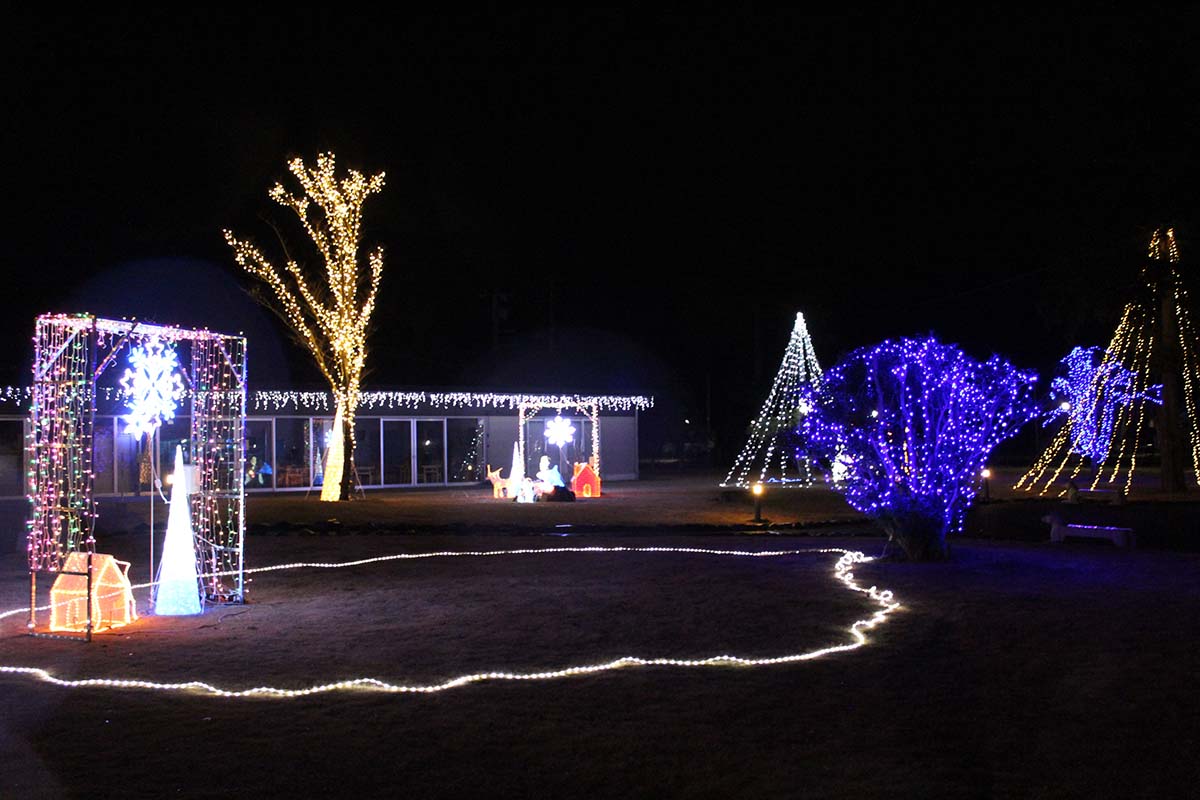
1017 670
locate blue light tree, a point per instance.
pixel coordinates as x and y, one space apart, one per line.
1089 389
912 422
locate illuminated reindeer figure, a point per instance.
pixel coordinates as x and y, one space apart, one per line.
499 485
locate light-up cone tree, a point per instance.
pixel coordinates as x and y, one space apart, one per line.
770 453
1152 362
912 422
177 591
328 313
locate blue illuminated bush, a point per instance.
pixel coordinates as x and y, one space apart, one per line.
913 421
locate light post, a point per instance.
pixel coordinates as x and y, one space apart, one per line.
987 494
757 491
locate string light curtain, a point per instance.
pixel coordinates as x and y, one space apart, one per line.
72 352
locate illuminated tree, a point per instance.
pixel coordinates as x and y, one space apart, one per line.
328 313
1090 391
770 453
911 422
1151 362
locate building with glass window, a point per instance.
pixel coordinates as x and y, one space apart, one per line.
404 439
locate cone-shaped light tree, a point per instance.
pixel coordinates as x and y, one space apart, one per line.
770 454
328 311
1150 367
178 583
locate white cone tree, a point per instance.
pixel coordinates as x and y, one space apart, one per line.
178 589
767 457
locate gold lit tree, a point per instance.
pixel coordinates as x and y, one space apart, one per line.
328 313
1154 346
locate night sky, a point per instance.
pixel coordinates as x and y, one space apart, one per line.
646 199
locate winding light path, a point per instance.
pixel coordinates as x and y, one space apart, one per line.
881 599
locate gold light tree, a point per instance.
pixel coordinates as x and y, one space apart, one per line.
1155 341
329 314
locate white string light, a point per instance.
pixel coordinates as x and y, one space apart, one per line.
842 571
276 400
765 450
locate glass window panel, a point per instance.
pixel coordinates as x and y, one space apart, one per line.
176 432
260 472
102 455
397 451
291 452
12 449
535 445
366 450
431 456
464 449
133 463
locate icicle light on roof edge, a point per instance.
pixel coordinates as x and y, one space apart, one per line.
269 401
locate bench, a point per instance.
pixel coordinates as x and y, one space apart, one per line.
1059 531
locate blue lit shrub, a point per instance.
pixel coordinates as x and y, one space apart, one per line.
912 422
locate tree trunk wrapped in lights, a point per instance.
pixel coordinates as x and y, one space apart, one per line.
329 317
913 422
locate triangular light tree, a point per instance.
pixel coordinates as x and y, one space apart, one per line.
1154 349
177 592
767 456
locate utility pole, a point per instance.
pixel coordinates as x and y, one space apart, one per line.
1162 269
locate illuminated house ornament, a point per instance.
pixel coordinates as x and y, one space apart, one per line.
912 422
585 482
770 453
152 385
111 595
178 589
560 431
1109 417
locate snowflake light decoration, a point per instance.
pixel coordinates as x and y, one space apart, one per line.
153 387
560 431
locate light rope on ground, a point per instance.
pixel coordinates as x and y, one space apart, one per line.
842 571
